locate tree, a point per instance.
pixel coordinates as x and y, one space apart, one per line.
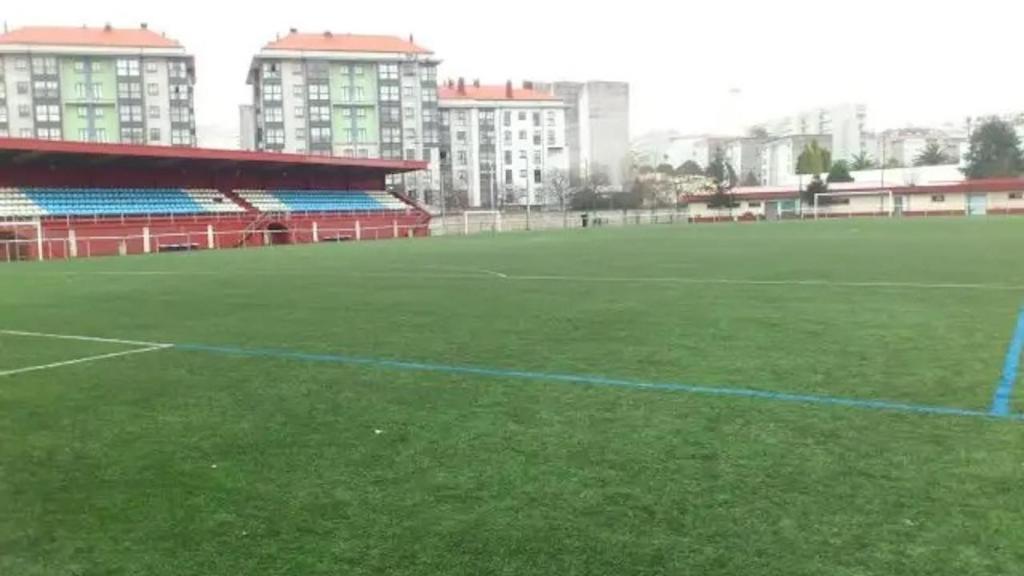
750 179
933 155
645 170
758 132
893 163
557 185
995 152
839 172
689 168
863 162
815 187
666 169
724 176
814 159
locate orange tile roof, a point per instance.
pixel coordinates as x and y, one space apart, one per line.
471 92
81 36
329 42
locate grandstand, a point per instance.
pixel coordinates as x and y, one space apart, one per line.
103 199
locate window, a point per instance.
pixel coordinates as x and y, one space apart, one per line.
522 115
361 113
273 114
300 111
410 133
83 112
296 70
97 113
408 92
26 132
428 74
536 119
508 176
47 113
360 94
430 136
319 135
391 135
48 133
79 66
410 113
132 135
300 133
347 136
180 93
410 154
21 88
522 154
130 113
154 112
153 89
181 137
508 136
537 159
319 92
551 117
939 198
128 90
44 65
357 70
389 93
391 114
298 90
346 113
21 64
3 114
364 153
537 177
552 140
319 113
389 71
176 70
151 67
523 174
537 139
461 158
348 152
271 70
461 118
127 67
46 89
752 205
97 90
429 95
24 111
154 134
100 134
1016 195
363 136
275 137
508 156
180 115
272 92
80 90
429 116
522 135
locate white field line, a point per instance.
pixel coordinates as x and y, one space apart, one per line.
84 360
478 273
86 339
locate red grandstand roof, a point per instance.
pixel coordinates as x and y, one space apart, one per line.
82 36
330 42
23 150
492 93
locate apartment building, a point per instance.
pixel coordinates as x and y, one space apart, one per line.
501 145
131 86
843 125
779 156
349 95
597 128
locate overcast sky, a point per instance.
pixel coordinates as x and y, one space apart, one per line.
705 66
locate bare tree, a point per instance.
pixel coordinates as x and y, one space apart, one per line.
558 188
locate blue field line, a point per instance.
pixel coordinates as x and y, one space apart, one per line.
1004 392
587 380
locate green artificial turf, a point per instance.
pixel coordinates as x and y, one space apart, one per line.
192 460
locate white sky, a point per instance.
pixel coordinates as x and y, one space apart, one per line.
910 61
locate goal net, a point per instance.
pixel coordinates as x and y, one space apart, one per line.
855 203
20 240
476 221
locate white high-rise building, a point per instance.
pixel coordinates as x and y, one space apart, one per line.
501 145
844 125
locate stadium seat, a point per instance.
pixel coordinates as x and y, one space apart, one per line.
321 201
113 202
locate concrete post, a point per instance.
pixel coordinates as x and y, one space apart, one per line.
72 244
146 242
211 242
316 233
359 230
394 228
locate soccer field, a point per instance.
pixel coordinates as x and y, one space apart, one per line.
799 398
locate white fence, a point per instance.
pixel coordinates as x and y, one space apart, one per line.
519 221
